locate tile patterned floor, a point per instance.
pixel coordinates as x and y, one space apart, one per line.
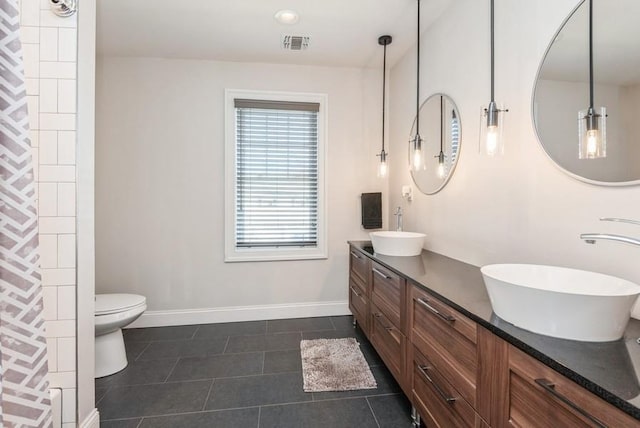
245 374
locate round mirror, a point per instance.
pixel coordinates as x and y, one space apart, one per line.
441 138
562 89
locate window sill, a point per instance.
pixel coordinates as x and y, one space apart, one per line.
271 255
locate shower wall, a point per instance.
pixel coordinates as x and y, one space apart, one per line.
49 46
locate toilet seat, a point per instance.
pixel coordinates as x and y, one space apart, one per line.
107 304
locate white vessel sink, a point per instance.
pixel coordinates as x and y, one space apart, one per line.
561 302
397 243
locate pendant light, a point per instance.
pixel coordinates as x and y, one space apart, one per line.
441 166
491 122
384 41
416 156
592 122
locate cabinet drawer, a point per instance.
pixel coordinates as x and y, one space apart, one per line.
389 342
387 291
541 397
438 402
448 339
359 305
359 265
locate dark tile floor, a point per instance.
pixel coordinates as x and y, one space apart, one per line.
245 374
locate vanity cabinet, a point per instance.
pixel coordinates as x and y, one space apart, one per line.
456 372
359 290
450 383
388 324
390 343
537 396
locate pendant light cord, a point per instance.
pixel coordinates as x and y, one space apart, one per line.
418 78
384 87
441 122
492 55
591 54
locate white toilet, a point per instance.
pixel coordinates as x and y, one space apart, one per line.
114 311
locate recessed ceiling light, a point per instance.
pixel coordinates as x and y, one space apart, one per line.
286 16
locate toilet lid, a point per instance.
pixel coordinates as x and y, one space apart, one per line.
111 303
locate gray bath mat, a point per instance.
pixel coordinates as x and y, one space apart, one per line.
334 365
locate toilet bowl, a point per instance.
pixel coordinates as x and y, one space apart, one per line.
113 312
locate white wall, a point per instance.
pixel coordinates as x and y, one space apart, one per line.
49 50
87 412
160 189
516 208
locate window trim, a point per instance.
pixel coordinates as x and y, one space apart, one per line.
233 254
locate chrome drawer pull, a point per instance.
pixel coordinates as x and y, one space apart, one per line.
441 393
356 292
356 255
447 318
379 315
382 274
550 387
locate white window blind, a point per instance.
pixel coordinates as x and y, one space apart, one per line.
276 173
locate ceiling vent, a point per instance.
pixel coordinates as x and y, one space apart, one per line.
295 43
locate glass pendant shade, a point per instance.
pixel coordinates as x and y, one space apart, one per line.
491 125
416 155
382 166
592 129
442 169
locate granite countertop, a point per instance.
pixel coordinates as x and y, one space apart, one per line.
608 369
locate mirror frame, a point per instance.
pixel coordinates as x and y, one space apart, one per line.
453 166
533 116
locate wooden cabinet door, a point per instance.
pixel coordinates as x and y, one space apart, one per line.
390 343
538 396
448 339
388 293
359 305
359 267
438 402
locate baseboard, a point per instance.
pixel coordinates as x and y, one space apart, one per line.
91 421
240 313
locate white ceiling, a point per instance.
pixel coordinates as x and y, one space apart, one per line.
343 32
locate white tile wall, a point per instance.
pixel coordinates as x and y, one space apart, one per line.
49 50
67 199
66 147
67 354
67 302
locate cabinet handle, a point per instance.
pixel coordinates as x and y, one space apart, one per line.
550 387
447 318
356 292
441 393
356 255
379 315
382 274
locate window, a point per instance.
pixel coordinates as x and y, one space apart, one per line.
274 176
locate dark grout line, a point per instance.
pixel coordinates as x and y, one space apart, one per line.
206 400
372 412
264 357
103 395
331 321
195 332
141 352
259 415
172 370
179 414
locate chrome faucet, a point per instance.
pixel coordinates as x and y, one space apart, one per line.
398 215
591 238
